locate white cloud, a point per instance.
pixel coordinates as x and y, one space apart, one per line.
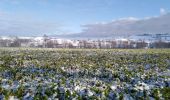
128 26
162 11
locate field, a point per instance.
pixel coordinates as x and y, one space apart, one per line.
84 74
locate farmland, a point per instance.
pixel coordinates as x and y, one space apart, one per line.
84 74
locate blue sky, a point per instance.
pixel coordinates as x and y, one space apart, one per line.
67 16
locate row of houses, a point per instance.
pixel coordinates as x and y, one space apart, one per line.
46 42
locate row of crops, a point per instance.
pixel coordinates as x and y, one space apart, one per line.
84 74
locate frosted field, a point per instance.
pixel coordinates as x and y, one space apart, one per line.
84 74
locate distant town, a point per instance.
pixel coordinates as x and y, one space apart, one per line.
134 41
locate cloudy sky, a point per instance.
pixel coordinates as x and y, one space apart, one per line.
83 17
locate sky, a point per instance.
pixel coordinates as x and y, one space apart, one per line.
90 17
